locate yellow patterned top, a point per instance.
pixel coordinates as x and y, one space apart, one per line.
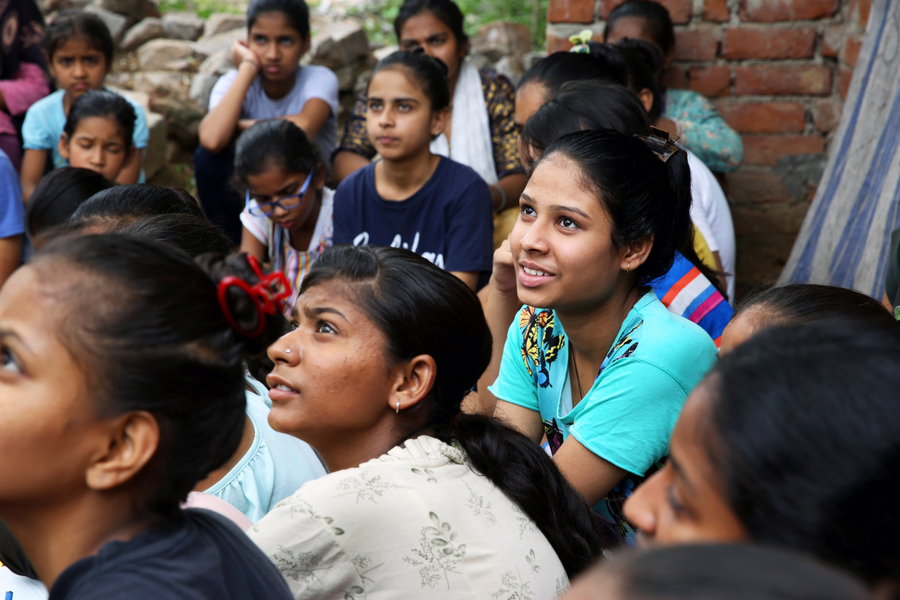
499 97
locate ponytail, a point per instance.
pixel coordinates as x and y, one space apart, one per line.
422 309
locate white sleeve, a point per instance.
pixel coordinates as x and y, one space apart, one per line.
221 87
257 226
322 83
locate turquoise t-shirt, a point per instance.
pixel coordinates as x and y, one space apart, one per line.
628 414
46 119
275 466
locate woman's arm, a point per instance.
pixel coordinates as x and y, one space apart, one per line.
131 171
252 246
313 116
512 186
219 125
470 278
34 162
703 131
500 304
524 420
590 475
347 162
10 256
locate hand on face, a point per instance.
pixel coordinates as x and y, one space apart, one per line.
504 273
240 52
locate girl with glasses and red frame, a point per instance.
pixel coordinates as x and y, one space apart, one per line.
288 209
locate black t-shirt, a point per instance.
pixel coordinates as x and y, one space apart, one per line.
202 556
449 220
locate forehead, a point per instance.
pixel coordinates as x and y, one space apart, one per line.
77 46
544 185
395 82
423 25
630 27
529 98
272 179
273 23
26 308
98 127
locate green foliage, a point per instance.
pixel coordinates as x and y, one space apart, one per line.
378 16
202 8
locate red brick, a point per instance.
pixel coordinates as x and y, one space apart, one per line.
764 117
756 185
570 11
782 79
851 50
711 81
674 77
767 11
680 10
831 41
696 44
826 115
769 149
747 42
716 10
865 7
558 44
844 76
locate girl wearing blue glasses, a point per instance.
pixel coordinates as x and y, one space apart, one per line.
288 208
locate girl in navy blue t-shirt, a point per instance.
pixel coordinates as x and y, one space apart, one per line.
412 198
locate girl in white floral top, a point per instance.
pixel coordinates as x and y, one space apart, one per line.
421 501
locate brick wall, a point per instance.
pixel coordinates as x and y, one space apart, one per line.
778 71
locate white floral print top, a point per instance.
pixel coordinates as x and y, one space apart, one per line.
417 522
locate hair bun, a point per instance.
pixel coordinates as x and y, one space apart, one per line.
252 311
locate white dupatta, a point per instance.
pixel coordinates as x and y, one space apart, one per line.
470 128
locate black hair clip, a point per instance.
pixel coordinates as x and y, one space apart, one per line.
660 143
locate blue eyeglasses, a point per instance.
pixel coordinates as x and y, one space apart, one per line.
289 202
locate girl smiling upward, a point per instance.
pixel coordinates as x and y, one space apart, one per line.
595 362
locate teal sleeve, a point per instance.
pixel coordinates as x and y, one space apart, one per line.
35 133
892 283
704 132
515 384
629 416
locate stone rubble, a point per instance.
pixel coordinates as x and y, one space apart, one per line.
169 64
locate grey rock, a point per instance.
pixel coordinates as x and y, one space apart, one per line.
496 40
182 117
511 67
182 26
165 55
221 22
346 77
208 46
362 82
201 87
217 64
148 29
479 60
155 153
114 22
340 45
157 83
133 10
383 53
530 58
143 99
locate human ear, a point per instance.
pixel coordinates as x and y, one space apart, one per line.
413 381
318 181
63 146
439 121
646 98
134 438
305 44
636 253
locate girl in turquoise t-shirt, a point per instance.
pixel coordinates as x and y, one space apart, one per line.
603 368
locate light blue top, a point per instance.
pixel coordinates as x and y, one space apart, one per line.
46 119
12 211
628 414
274 467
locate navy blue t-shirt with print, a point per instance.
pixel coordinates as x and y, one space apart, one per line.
202 555
449 220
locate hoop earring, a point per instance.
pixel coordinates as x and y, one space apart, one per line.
398 407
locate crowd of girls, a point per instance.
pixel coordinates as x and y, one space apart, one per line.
481 366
